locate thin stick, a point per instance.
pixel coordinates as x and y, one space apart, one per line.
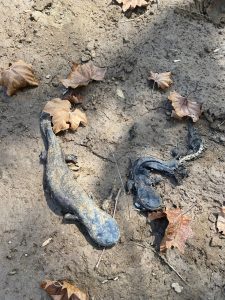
100 258
164 260
114 212
116 201
118 170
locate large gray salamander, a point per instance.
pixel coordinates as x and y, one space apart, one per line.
70 196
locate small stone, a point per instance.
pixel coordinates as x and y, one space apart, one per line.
25 254
85 58
120 93
13 272
177 288
48 76
93 53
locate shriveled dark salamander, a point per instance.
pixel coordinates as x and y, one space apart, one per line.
141 182
70 196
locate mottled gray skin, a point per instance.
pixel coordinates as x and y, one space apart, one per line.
70 196
141 184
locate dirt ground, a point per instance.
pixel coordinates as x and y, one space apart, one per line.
51 34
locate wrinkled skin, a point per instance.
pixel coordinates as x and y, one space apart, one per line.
69 195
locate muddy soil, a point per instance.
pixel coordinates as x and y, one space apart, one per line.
51 34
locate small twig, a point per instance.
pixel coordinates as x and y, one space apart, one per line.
100 258
118 170
116 202
196 87
121 180
114 212
188 209
164 260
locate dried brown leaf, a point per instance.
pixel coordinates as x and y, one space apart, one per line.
221 221
131 4
17 76
156 215
184 107
177 231
163 80
81 75
62 290
62 117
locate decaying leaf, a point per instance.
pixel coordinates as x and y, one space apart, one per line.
184 107
156 215
221 221
17 76
62 117
62 290
75 99
81 75
177 231
131 4
163 80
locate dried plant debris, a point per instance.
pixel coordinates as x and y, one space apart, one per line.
19 75
131 4
177 231
221 221
163 80
81 75
62 290
62 116
185 107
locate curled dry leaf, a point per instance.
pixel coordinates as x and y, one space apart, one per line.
17 76
184 107
163 80
81 75
131 4
221 221
156 215
62 290
62 117
177 231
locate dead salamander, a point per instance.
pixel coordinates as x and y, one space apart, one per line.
147 198
141 181
70 196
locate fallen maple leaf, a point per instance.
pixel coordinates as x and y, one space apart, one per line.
131 4
62 117
184 107
62 290
221 220
163 80
17 76
81 75
156 215
177 231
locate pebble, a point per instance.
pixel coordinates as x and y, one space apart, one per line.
85 58
13 272
177 288
120 93
48 76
